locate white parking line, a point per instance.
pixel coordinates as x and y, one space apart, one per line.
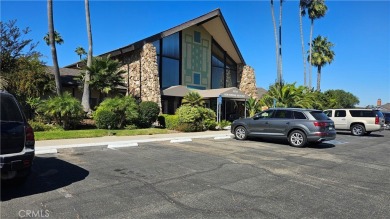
46 151
122 145
181 140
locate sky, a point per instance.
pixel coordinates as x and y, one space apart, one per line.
360 31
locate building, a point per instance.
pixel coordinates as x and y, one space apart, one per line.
200 54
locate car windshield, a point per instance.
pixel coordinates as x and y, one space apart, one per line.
319 115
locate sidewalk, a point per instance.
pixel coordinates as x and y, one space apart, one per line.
51 146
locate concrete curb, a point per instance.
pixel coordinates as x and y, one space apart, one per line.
121 144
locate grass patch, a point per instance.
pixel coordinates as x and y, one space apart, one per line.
92 133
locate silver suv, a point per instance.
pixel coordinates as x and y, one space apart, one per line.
357 121
298 126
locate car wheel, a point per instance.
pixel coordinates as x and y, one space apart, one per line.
358 130
240 133
297 139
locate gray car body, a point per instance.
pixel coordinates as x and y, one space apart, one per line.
281 128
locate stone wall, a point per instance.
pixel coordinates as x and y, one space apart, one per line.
248 81
142 77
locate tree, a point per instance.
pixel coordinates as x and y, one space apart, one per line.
193 98
322 54
57 38
340 99
31 79
278 41
80 51
105 74
53 47
316 9
14 46
303 4
3 82
287 95
252 105
86 91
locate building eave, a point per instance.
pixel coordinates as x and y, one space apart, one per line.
204 20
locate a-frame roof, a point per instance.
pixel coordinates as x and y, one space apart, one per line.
213 22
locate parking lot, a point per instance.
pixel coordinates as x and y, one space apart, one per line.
210 178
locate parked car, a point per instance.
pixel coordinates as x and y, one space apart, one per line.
298 126
358 121
17 140
387 120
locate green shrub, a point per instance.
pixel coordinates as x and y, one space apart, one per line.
124 108
106 119
223 124
170 122
40 126
147 114
190 118
161 120
131 127
208 117
64 110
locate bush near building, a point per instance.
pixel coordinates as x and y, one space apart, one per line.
147 114
116 112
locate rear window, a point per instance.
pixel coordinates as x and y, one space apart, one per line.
319 115
299 115
9 110
363 113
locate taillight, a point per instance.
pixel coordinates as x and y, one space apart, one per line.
30 139
320 124
376 119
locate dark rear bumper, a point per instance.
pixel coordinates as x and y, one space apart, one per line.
17 162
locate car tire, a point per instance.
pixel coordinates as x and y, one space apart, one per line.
297 139
358 130
240 133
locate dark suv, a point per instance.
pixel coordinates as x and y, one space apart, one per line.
298 126
17 140
387 119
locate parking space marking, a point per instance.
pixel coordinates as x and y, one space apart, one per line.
181 140
122 145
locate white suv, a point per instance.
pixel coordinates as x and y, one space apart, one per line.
358 121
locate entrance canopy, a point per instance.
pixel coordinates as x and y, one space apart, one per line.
228 93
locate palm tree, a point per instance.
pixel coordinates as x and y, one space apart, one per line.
276 41
316 9
302 12
53 46
80 51
280 42
105 75
193 98
322 54
287 95
252 105
57 38
86 91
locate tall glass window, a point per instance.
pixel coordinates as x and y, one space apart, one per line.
170 72
224 69
170 58
171 46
